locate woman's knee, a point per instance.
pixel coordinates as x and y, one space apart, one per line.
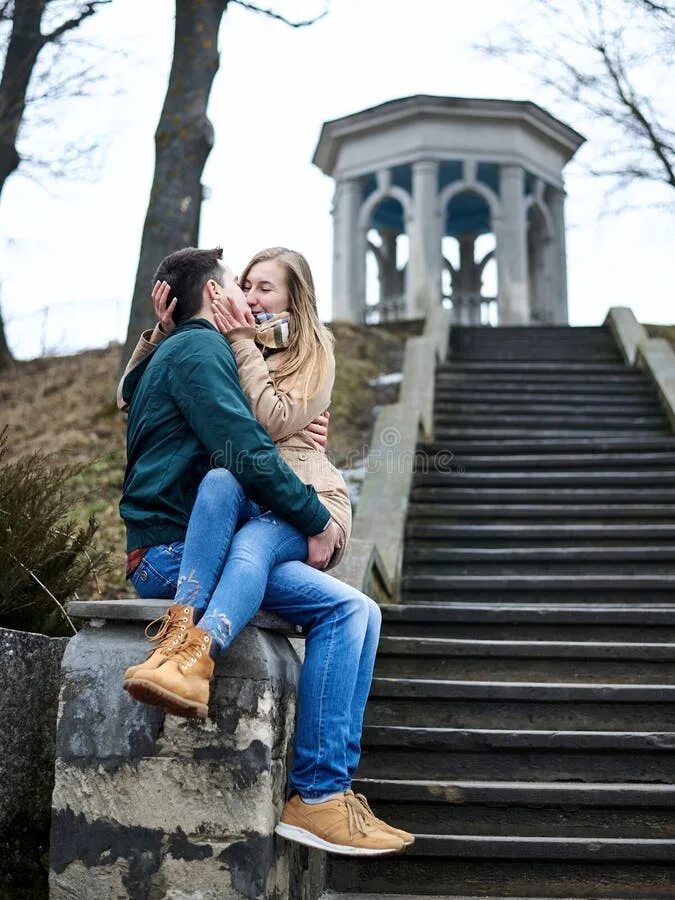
374 616
363 611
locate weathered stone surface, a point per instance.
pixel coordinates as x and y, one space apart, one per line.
29 675
150 806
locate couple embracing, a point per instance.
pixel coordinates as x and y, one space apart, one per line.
231 505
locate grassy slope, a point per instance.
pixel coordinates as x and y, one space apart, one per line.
63 406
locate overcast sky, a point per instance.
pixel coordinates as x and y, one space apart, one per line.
73 246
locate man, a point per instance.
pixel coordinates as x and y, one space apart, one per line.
187 415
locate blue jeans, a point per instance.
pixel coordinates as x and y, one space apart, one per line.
342 624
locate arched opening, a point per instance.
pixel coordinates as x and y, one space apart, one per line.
469 279
387 252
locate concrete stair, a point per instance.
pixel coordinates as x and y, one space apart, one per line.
522 717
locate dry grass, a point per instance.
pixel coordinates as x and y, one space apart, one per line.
664 331
64 406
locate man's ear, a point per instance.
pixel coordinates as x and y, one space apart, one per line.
214 290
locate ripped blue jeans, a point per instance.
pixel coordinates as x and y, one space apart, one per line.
235 559
229 549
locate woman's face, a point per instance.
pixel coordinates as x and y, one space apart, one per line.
266 288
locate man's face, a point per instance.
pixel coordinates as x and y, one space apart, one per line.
231 287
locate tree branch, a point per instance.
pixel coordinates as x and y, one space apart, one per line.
627 97
303 23
75 22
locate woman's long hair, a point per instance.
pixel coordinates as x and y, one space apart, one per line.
310 345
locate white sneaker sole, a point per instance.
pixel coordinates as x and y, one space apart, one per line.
301 836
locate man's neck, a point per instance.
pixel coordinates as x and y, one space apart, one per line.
205 313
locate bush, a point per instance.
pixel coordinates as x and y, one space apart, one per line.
44 555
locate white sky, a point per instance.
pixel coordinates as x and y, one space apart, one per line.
73 246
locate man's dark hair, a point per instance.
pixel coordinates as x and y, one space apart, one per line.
187 271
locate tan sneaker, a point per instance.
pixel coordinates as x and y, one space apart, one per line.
174 625
339 825
181 683
405 836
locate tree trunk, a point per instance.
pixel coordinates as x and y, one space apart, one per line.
6 358
183 141
25 43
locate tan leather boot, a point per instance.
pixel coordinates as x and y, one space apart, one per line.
339 826
174 625
181 683
405 836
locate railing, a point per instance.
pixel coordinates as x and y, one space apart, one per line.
390 309
654 355
373 559
474 309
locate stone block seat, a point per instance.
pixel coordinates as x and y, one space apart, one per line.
147 804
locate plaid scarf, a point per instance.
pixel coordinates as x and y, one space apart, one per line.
272 330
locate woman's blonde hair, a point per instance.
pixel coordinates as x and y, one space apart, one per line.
310 345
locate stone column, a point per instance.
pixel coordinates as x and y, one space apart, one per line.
511 235
424 282
556 258
348 281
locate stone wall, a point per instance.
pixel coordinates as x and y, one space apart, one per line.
29 680
148 805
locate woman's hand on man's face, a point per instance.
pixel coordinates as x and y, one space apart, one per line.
230 315
164 313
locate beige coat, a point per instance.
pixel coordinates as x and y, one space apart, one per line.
283 417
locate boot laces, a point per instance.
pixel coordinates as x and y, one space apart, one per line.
357 820
171 631
193 646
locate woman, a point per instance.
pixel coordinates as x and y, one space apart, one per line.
286 368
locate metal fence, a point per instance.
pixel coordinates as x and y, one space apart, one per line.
62 328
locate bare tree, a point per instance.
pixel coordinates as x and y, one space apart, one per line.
593 54
183 141
29 29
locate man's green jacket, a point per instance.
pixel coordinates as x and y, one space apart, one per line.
188 414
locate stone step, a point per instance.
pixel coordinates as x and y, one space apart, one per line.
430 456
521 794
570 421
518 659
527 367
577 394
535 595
432 553
452 433
447 407
489 867
576 443
554 495
520 820
545 630
658 614
489 650
521 705
518 755
588 582
450 523
619 477
544 848
493 386
564 355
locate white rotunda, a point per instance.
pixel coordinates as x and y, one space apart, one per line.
422 179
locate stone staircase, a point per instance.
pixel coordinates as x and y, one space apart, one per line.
522 719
